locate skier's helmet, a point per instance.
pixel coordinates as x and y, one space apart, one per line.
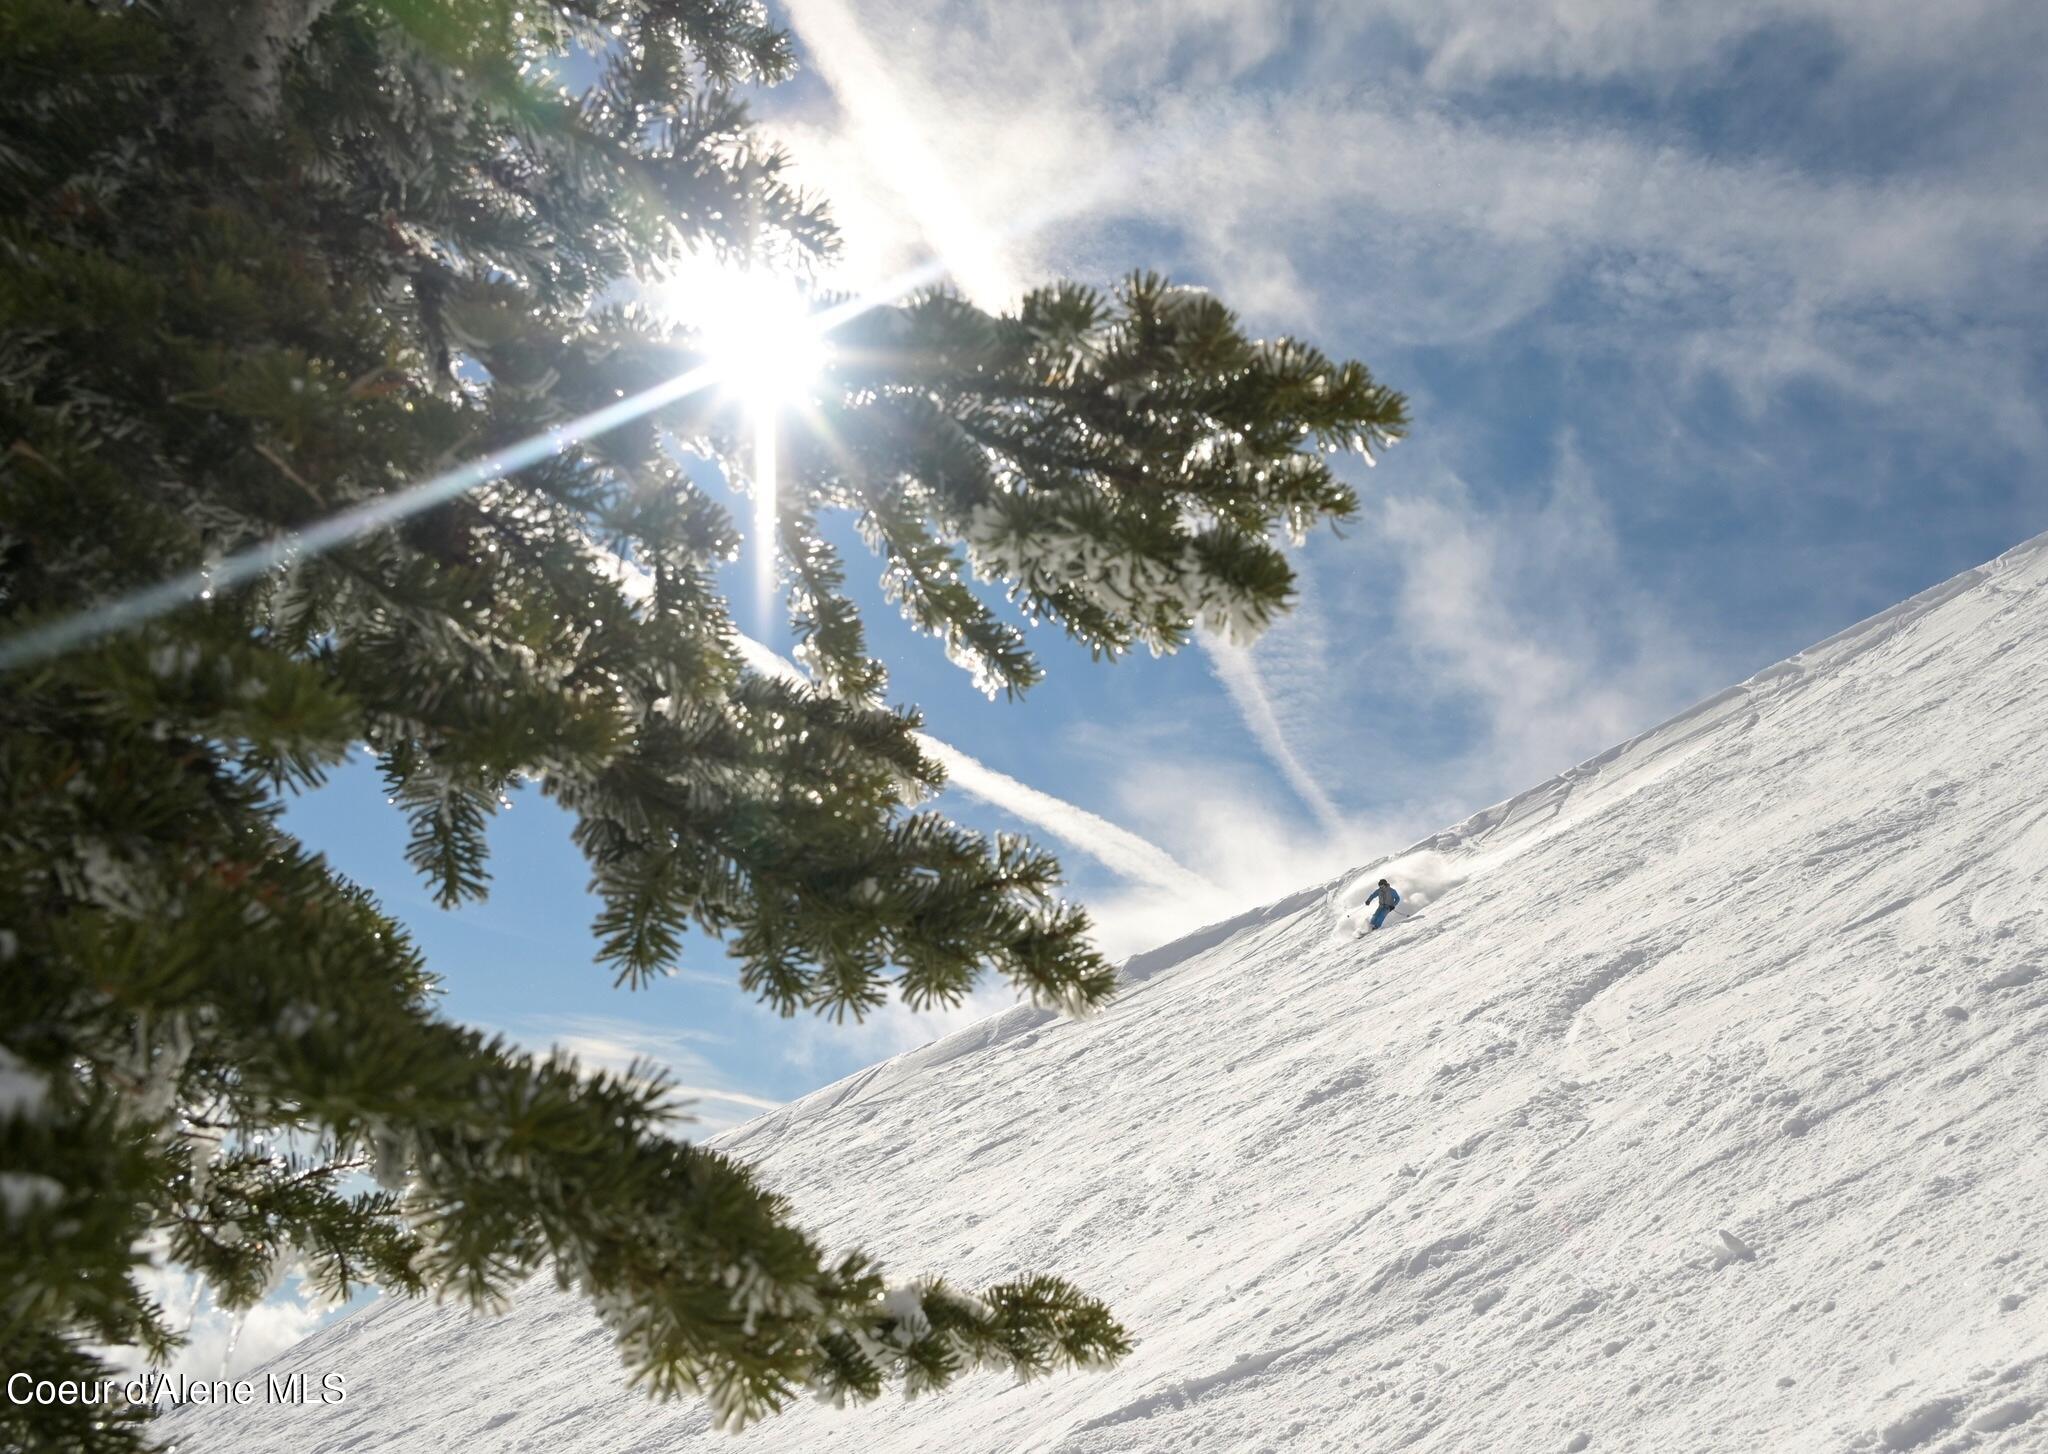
1385 884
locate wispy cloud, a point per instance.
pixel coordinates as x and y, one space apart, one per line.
620 1048
1359 191
1468 43
1229 823
1526 613
1462 653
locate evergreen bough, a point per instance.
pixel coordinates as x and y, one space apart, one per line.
262 261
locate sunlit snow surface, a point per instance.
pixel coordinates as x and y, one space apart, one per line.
1697 1101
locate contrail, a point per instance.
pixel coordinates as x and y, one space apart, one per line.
1115 848
1240 677
737 1098
595 1042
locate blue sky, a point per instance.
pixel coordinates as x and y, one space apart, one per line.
1721 328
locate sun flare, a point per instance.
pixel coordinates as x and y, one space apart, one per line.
761 339
765 347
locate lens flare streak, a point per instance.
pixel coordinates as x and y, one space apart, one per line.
766 424
40 643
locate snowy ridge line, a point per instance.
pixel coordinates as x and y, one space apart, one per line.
1004 1025
1647 756
1019 1020
1141 967
1915 606
1658 755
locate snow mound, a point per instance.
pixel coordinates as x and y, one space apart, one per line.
1701 1104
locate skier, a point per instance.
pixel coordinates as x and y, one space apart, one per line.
1386 896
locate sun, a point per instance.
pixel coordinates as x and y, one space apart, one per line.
762 341
764 346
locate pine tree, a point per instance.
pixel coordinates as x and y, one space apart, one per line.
266 261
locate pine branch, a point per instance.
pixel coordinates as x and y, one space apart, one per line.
237 299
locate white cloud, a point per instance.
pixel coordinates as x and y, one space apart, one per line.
1223 819
1474 42
977 132
1462 655
220 1343
1526 611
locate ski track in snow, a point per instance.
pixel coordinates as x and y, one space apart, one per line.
1705 1108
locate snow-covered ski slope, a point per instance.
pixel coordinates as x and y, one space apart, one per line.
1702 1106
